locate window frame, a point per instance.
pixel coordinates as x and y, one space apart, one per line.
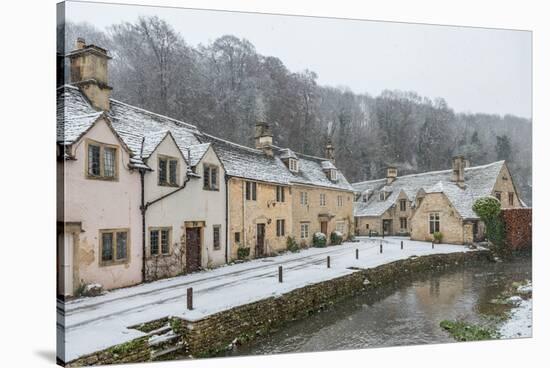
322 199
401 221
280 194
159 230
217 245
251 191
102 146
114 260
304 198
304 230
498 196
340 201
342 224
169 160
436 220
212 185
403 205
511 198
293 165
333 175
237 237
280 227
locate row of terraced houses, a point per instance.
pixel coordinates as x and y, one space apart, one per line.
143 196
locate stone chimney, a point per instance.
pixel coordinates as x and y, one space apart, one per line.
391 175
457 176
263 138
89 73
329 152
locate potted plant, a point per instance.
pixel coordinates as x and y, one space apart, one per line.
438 237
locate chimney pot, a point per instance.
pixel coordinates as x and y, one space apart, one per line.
391 174
80 43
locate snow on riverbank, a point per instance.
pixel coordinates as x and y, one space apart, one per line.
521 318
94 324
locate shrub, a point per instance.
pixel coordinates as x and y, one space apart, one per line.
488 210
319 240
243 252
336 238
438 237
291 244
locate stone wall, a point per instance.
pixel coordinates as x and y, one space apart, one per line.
210 335
518 227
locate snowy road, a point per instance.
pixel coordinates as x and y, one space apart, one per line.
93 324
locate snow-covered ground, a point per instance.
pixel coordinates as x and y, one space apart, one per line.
93 324
521 319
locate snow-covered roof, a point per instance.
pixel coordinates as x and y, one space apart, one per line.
139 129
142 131
327 165
479 182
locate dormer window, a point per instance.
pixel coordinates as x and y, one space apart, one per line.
365 197
101 161
210 177
333 175
293 165
382 196
167 171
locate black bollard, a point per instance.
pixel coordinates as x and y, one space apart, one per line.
381 250
280 273
356 253
190 298
328 261
401 244
432 244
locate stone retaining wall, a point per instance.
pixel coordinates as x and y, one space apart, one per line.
208 336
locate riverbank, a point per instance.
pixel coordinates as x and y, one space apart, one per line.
307 286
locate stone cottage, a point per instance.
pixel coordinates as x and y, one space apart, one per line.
143 196
439 201
140 195
274 193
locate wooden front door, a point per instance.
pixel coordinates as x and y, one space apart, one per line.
193 249
324 229
386 227
260 240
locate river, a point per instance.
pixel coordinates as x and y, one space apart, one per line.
408 313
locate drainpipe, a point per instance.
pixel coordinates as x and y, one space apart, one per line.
226 217
143 209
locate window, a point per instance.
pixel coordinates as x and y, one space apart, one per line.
210 177
333 175
113 246
159 240
168 171
216 236
340 226
237 237
365 197
250 191
303 198
280 227
403 223
322 200
340 201
293 165
381 196
498 195
367 226
511 198
304 231
280 194
403 204
434 222
102 161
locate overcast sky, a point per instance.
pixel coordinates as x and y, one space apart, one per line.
474 69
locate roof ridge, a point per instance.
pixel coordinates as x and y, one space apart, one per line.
301 154
184 124
434 172
254 150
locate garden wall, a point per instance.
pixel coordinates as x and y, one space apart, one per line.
517 224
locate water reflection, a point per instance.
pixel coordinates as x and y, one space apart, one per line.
407 313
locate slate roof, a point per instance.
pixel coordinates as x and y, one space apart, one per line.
139 129
142 131
479 181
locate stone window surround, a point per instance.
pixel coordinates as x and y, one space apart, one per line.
280 193
280 227
340 200
436 220
304 230
293 165
303 198
160 253
402 205
322 199
168 160
211 169
217 228
102 146
511 198
251 190
114 262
